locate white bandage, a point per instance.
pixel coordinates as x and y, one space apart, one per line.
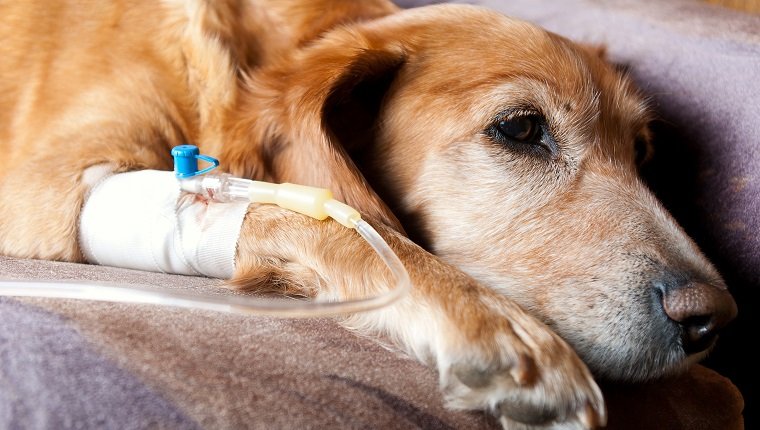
141 220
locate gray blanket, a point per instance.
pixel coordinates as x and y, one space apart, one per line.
67 364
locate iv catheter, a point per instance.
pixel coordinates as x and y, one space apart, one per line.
314 202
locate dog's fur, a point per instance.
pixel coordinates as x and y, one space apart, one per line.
393 111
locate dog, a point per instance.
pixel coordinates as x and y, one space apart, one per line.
497 159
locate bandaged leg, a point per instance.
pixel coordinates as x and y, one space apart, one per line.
141 220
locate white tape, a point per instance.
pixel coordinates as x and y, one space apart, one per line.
141 220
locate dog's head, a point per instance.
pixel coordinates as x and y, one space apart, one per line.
511 153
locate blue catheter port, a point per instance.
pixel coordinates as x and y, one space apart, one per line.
186 161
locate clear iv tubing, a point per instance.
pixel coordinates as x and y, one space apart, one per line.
314 202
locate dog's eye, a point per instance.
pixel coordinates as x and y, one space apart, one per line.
523 132
521 129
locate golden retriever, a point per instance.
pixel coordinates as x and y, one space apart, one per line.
504 152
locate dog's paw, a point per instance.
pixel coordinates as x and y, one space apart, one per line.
521 371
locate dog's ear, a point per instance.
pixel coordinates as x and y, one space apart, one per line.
318 106
597 51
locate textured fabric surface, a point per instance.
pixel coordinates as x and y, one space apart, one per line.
53 378
202 368
77 364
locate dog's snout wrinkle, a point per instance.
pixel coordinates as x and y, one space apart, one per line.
701 310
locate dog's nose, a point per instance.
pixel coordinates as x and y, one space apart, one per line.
701 310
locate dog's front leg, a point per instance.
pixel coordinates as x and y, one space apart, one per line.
41 196
489 353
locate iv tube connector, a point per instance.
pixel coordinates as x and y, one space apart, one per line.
314 202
